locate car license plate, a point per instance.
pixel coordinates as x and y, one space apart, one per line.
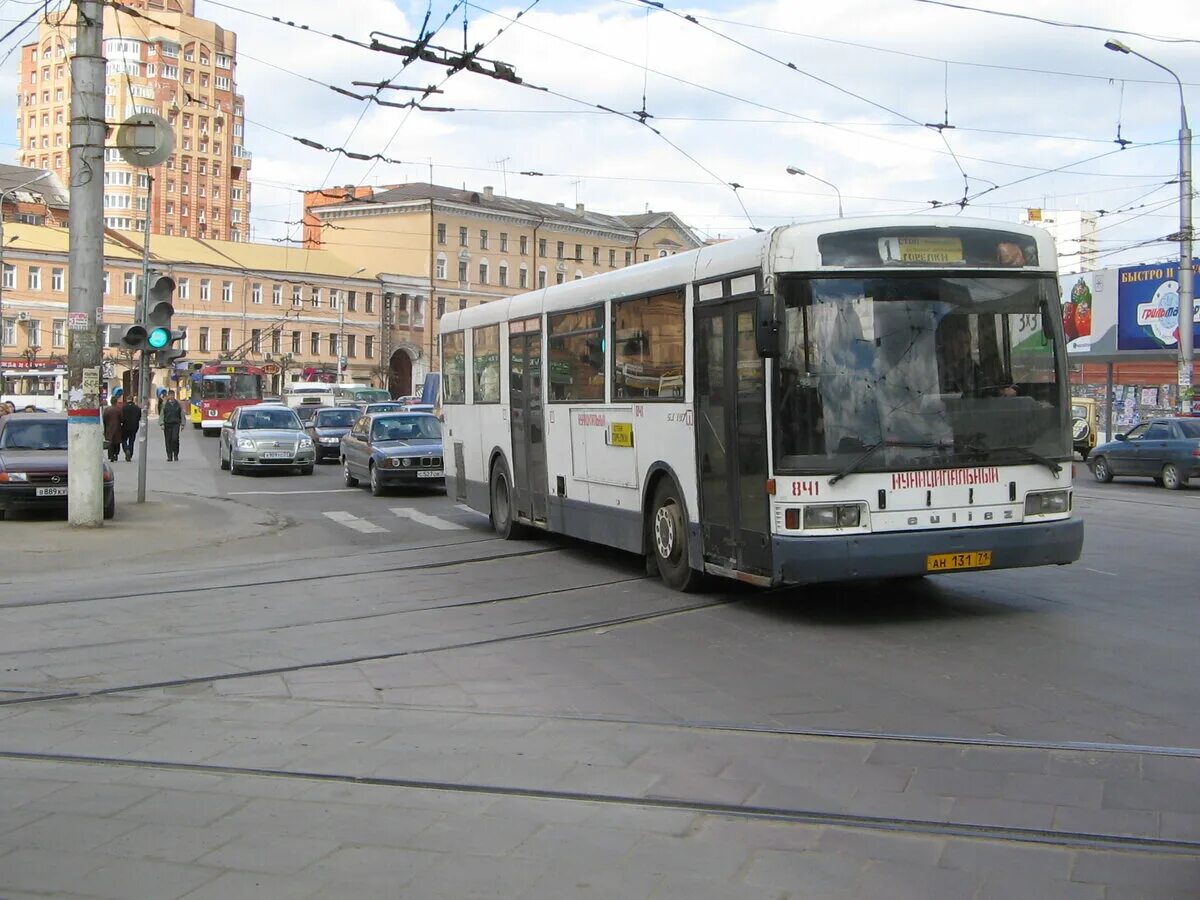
432 473
946 562
52 492
276 454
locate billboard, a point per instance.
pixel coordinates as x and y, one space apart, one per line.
1148 307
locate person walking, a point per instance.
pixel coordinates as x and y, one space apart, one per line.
131 418
112 427
171 419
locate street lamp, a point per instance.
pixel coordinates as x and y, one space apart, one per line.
3 194
794 170
1187 291
342 329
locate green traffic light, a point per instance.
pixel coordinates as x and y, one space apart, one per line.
159 338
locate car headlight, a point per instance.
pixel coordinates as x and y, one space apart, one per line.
13 476
406 462
245 444
305 441
845 515
396 463
329 440
1045 503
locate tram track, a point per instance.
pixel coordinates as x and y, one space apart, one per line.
791 815
373 657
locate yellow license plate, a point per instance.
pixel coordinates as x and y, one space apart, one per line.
947 562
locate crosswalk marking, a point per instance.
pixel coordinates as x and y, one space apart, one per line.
406 512
351 521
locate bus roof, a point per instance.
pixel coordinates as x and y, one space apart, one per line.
786 248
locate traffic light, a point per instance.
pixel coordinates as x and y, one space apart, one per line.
133 337
160 336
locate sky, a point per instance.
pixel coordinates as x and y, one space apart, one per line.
846 91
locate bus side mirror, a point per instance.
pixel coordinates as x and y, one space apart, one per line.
766 332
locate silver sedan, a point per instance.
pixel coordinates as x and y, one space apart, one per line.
265 437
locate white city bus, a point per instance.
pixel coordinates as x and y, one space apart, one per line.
42 388
870 398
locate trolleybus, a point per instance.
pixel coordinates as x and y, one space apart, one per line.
865 398
220 388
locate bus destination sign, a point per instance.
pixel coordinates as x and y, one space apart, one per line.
921 249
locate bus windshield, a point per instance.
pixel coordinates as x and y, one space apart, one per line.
230 387
919 372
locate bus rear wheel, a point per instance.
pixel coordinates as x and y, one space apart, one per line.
501 505
668 539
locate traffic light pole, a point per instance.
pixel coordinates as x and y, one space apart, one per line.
143 440
85 437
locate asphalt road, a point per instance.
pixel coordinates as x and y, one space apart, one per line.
379 697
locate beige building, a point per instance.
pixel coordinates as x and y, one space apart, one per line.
164 61
449 249
298 308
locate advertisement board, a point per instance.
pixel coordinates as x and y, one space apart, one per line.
1148 307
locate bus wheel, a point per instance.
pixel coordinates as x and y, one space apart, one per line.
196 425
668 539
501 505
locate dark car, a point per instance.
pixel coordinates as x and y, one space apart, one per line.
1167 450
33 464
306 412
394 449
326 428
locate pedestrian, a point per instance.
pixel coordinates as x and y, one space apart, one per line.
112 427
171 420
131 418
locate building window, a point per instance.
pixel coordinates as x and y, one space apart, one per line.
524 245
483 273
441 307
182 289
314 345
612 259
462 271
648 348
296 338
577 347
369 346
277 295
561 247
256 340
10 332
276 340
462 304
256 293
297 295
541 278
369 302
523 277
226 291
335 298
628 257
503 275
351 346
35 278
351 301
462 236
226 339
483 239
58 333
10 276
205 289
558 277
204 340
504 242
316 298
595 256
333 343
441 233
57 279
579 253
541 248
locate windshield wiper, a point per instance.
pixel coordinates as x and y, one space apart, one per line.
870 451
1032 456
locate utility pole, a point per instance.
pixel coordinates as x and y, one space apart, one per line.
85 483
144 363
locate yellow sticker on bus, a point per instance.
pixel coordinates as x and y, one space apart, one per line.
620 434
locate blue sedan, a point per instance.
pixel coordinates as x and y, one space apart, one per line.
1167 450
393 450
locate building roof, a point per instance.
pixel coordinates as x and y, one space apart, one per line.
556 212
181 251
48 190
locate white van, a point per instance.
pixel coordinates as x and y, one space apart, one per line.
308 393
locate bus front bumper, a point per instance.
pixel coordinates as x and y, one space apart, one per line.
808 560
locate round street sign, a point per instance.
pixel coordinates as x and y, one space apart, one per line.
270 369
145 140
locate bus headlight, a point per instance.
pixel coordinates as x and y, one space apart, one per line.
845 515
1045 503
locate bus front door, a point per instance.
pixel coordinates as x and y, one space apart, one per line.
731 439
528 432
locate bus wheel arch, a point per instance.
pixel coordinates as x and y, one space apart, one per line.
666 532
